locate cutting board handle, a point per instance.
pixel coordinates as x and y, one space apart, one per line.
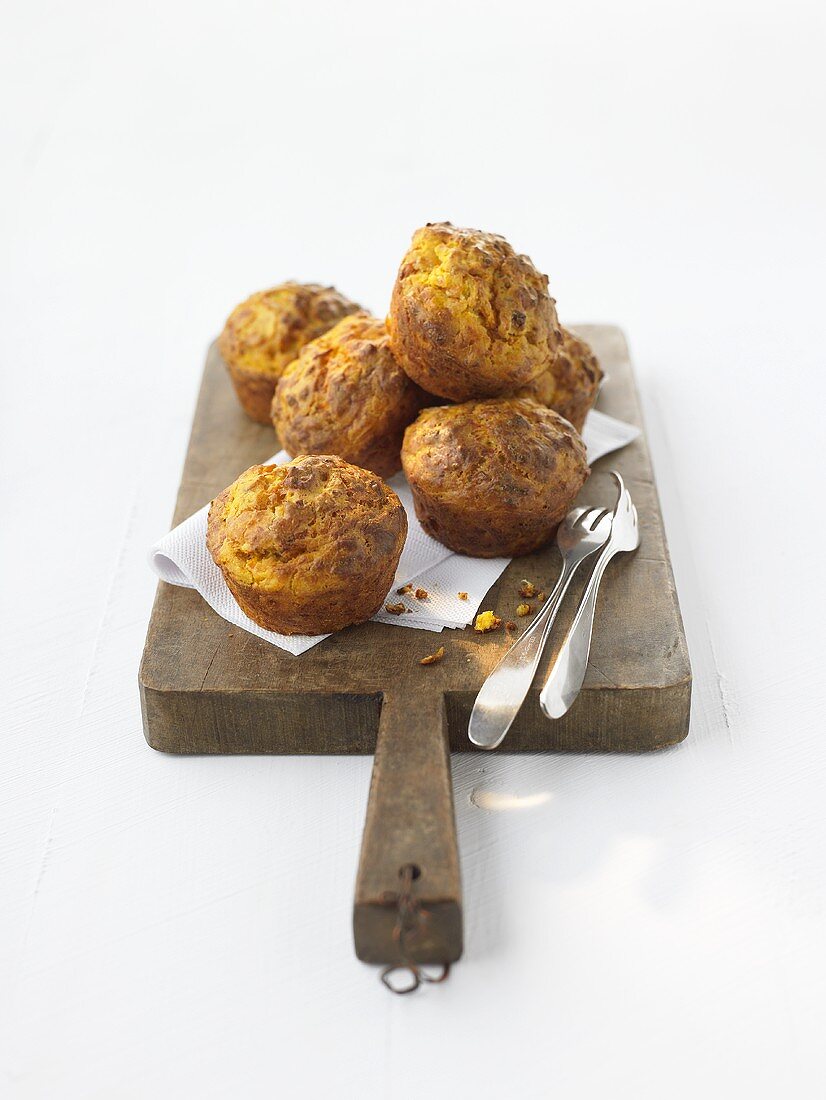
408 905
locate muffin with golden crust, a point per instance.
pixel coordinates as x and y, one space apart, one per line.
267 331
493 478
571 383
309 547
345 394
469 317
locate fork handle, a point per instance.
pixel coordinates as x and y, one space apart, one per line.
567 673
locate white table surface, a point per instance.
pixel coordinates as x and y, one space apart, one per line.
646 926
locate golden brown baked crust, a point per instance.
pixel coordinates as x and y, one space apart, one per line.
254 391
346 395
469 317
309 547
493 478
571 384
266 332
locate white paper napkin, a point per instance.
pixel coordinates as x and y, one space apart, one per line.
182 558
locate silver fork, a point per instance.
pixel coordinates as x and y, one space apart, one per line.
582 532
568 670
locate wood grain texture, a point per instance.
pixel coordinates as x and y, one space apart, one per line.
410 822
208 687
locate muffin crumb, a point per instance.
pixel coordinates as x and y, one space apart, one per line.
433 658
510 626
524 609
527 588
485 621
395 608
405 590
462 595
421 593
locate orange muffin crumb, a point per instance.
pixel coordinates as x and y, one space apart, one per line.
485 621
433 658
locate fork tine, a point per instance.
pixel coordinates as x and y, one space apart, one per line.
578 515
596 517
587 519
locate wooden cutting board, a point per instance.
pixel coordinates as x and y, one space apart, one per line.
209 687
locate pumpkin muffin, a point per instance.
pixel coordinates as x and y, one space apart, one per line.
267 331
346 395
469 317
493 478
309 547
571 383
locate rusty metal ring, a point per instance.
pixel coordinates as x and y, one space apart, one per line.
425 977
412 970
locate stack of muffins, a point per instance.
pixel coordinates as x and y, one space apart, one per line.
471 387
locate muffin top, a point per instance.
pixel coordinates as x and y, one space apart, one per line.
345 393
312 521
571 383
465 298
500 451
267 331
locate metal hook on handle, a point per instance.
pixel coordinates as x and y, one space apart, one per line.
409 922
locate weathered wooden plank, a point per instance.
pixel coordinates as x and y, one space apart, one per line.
209 687
409 823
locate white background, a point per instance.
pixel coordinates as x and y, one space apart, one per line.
636 927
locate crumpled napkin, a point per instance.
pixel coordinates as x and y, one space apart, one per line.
182 558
